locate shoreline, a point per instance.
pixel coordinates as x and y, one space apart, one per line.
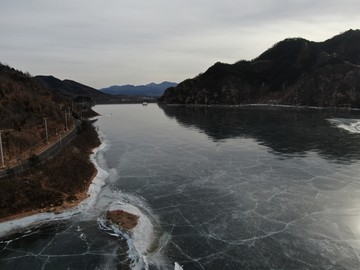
300 107
81 196
27 220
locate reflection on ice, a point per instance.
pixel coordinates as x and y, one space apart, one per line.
286 131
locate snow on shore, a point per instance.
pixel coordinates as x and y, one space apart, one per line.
28 222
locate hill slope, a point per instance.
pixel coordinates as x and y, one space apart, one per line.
148 90
294 71
47 185
24 104
70 89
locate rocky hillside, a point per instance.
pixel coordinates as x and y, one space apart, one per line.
294 71
52 185
24 104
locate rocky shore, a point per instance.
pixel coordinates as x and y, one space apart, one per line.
123 219
54 186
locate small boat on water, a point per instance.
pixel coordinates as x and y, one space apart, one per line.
144 103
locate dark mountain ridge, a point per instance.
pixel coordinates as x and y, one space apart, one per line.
76 91
294 71
148 90
69 88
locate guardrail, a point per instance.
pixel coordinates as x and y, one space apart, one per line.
45 154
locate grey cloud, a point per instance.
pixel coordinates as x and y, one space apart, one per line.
138 41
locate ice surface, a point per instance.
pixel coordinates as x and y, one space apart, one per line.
222 189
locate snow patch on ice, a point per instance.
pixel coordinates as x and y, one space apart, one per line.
178 266
351 125
144 242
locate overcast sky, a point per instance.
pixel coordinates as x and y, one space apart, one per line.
108 42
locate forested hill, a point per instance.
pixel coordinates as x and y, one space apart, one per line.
24 104
294 71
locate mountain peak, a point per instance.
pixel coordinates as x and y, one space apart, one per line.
294 71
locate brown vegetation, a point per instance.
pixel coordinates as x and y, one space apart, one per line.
58 183
55 184
123 219
23 106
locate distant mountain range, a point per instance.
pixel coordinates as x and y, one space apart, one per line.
135 94
294 71
148 90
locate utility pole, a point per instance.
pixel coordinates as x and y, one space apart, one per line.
67 114
1 152
66 124
47 136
